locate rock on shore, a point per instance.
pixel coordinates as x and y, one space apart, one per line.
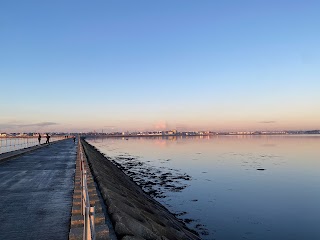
134 214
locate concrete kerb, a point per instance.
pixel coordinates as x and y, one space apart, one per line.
9 155
77 220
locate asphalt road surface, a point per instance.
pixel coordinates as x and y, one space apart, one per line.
36 193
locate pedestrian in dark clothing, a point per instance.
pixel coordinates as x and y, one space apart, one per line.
39 138
74 139
48 137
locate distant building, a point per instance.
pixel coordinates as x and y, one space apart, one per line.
21 135
172 132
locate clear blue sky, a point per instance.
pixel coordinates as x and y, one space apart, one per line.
124 65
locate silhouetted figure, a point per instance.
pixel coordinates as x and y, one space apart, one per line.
74 139
39 138
47 137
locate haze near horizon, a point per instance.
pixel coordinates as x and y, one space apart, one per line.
142 65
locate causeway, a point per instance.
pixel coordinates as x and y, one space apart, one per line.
36 191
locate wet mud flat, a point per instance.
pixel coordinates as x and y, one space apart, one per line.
153 180
134 212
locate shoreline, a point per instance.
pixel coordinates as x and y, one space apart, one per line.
133 212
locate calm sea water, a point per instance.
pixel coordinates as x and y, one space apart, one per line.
226 197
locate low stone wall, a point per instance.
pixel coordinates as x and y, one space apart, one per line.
134 214
77 219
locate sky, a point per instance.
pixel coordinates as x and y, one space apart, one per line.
118 65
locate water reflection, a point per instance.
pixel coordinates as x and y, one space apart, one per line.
227 195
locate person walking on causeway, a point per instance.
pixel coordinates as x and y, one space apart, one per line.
48 137
39 138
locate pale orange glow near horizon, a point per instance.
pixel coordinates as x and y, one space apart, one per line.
83 124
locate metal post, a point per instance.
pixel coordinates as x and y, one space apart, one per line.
87 232
82 199
83 192
92 217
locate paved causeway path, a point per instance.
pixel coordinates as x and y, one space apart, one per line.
36 193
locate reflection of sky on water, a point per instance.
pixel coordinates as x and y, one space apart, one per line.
227 193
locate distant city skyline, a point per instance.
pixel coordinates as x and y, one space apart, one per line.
158 65
155 130
166 133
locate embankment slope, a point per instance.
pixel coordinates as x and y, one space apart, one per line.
134 214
